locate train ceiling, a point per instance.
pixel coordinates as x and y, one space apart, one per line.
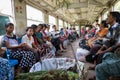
80 11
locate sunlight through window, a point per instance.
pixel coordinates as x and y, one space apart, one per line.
34 16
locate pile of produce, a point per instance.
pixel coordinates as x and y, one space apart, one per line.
49 75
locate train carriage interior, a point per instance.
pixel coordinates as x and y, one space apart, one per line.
59 40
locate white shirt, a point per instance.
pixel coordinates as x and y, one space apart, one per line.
97 29
110 36
29 42
69 31
54 34
48 33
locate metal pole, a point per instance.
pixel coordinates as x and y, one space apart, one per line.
76 61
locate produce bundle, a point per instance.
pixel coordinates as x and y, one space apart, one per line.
49 75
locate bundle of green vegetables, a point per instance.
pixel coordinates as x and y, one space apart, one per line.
49 75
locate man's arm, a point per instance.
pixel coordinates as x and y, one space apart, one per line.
110 48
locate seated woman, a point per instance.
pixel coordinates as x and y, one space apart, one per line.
28 39
37 34
38 38
44 37
94 47
65 37
18 51
55 39
100 35
48 30
46 42
83 31
6 71
90 32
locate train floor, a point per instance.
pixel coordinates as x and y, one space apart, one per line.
70 54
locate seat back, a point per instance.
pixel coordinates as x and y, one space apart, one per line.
7 54
19 40
12 62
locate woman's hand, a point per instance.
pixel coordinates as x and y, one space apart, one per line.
23 45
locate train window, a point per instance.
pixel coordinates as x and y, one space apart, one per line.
30 22
99 19
52 21
65 24
60 24
105 15
33 17
117 6
68 25
6 7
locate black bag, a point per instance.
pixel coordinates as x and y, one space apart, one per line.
83 44
90 58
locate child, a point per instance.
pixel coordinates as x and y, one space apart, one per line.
48 42
28 40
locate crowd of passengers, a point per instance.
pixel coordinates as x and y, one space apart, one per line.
36 44
104 47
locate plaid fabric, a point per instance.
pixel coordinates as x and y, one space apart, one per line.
109 67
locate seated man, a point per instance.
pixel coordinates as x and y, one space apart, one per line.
109 67
110 63
55 39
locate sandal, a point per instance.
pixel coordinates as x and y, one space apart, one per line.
91 68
